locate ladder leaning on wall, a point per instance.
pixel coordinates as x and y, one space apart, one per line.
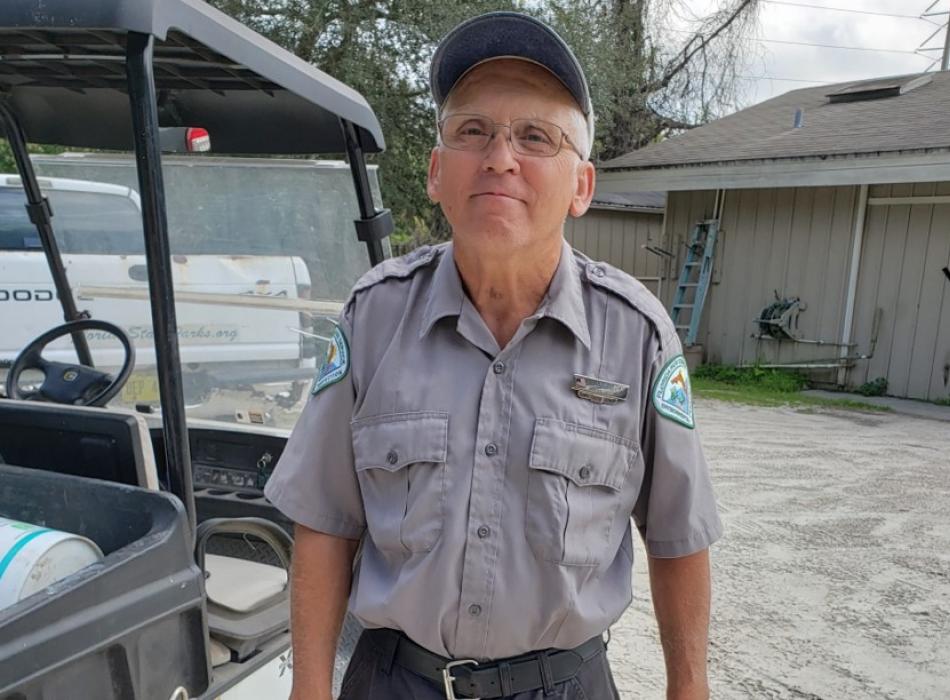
693 285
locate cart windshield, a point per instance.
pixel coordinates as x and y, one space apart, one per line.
264 253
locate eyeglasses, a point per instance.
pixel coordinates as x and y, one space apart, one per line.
529 137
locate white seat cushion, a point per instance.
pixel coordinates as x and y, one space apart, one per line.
239 585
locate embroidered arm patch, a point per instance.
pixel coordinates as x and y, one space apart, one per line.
672 395
336 364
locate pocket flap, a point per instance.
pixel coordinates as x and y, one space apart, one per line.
393 441
585 455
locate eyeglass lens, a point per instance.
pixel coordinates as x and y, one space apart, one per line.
471 132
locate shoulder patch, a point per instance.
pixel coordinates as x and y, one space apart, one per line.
336 364
401 267
672 393
633 292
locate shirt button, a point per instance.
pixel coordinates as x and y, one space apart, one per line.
475 610
499 367
392 457
598 272
491 449
484 531
585 472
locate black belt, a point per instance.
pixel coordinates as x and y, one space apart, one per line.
492 679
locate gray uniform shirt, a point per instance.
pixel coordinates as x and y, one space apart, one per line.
495 503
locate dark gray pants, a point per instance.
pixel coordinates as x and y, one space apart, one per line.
371 676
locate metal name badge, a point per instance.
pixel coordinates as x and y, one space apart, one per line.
598 390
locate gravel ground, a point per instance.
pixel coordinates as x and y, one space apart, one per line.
832 580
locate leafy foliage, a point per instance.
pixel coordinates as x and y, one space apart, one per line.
759 386
8 165
875 387
778 380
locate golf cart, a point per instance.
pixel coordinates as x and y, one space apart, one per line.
185 594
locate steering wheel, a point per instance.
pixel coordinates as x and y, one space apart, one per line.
67 383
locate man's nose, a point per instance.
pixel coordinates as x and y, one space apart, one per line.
500 154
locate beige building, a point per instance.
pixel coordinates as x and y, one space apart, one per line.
835 201
624 230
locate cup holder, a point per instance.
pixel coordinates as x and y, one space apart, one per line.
218 492
248 496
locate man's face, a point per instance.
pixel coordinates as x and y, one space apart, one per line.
498 197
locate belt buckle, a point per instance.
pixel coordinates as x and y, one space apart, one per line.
449 679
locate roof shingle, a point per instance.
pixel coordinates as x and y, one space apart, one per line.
916 121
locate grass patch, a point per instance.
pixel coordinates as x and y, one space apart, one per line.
757 386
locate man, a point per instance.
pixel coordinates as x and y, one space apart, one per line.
492 414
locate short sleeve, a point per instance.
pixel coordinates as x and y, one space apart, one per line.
676 510
314 483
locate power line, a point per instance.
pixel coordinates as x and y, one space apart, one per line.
842 9
835 46
784 80
818 46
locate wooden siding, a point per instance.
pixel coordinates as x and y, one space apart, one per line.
905 248
797 242
789 242
617 238
689 208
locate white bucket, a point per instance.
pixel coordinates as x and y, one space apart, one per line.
33 557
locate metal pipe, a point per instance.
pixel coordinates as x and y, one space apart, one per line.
330 308
41 214
945 59
720 205
720 209
800 340
148 159
847 326
364 194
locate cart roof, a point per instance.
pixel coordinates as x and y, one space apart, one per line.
62 68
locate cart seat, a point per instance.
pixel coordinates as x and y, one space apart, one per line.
241 586
247 602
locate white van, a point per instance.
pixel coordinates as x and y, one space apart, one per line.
99 230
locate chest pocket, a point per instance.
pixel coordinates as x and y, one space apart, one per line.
400 463
575 487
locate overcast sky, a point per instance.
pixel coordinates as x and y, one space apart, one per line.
789 21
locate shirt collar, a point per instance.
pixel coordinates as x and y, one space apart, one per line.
446 294
563 301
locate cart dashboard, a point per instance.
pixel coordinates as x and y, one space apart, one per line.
229 467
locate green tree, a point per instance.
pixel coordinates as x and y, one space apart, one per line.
8 164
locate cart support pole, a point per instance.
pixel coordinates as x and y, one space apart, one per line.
41 214
372 226
148 159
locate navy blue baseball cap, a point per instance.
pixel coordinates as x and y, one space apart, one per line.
505 35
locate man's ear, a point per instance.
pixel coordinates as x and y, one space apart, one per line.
583 189
433 179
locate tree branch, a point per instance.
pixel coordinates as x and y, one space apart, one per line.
689 51
670 123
